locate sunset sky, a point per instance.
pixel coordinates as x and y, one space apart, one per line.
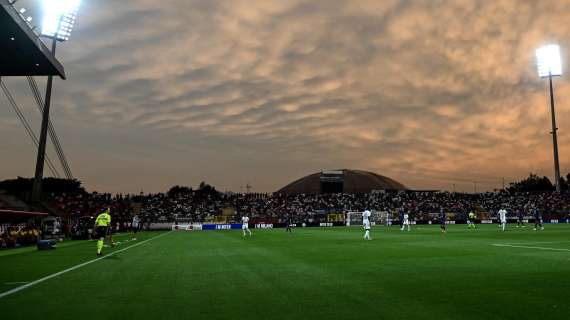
430 93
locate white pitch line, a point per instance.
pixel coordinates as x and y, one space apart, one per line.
529 247
33 283
537 242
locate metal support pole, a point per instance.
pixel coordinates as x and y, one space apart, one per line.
554 137
37 187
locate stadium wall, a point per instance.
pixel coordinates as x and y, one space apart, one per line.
237 226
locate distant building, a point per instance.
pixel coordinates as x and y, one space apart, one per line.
341 181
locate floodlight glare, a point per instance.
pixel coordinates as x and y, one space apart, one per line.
59 17
548 61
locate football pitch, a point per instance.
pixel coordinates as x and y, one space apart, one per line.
313 273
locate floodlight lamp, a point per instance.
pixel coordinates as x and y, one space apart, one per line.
59 17
548 61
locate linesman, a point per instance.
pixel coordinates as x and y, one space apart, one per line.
102 225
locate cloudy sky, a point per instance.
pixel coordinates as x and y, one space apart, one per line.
430 93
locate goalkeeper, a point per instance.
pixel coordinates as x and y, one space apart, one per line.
102 225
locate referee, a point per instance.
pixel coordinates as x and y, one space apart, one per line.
102 224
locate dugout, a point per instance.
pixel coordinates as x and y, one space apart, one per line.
20 228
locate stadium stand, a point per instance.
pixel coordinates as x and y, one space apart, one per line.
69 201
229 207
8 201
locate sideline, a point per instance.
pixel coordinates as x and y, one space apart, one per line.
33 283
65 244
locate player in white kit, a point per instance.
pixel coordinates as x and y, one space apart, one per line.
366 223
245 225
503 218
135 226
406 222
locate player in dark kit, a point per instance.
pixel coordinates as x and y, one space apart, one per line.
401 217
288 222
520 216
442 221
537 218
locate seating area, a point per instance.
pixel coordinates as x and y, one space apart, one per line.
198 207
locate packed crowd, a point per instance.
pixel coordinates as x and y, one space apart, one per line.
197 207
162 207
91 204
190 206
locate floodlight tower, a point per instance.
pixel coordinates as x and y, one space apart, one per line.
549 65
57 24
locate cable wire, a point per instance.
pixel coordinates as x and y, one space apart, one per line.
27 126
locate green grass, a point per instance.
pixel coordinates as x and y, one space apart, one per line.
314 273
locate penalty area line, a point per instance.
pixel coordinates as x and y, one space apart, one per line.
529 247
33 283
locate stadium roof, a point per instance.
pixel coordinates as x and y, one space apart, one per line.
352 181
15 215
23 53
